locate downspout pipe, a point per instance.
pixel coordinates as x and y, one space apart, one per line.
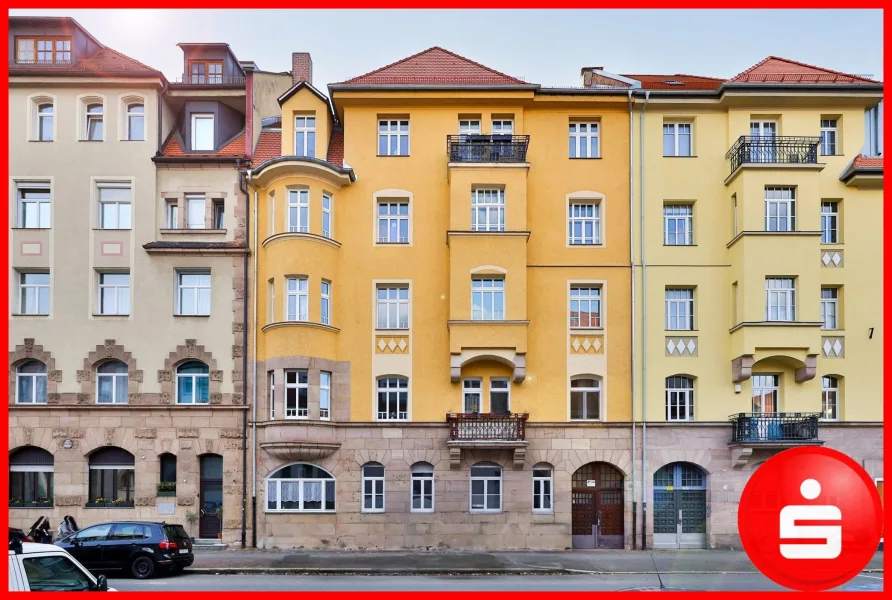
241 184
254 384
643 330
632 338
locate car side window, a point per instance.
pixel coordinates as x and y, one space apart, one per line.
55 574
129 532
93 534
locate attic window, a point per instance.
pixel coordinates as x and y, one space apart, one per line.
43 51
673 82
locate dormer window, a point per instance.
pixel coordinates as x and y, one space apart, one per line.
43 51
305 135
205 71
203 132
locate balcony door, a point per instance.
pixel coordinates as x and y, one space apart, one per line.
763 148
766 392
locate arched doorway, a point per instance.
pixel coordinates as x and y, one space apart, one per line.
598 506
679 506
210 492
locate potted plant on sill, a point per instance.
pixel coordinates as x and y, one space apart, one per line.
16 503
219 513
192 519
167 488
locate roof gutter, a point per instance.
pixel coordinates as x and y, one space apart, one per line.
197 159
365 87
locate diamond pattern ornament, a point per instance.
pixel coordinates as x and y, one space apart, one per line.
691 346
576 344
391 344
586 345
837 347
597 345
836 258
825 258
827 347
381 344
402 345
671 347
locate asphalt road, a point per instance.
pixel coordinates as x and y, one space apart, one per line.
565 583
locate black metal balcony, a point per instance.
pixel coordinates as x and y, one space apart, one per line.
210 80
768 149
487 427
774 428
496 148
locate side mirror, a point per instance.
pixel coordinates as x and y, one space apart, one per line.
101 584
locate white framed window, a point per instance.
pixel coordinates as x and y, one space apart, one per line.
45 126
43 51
171 215
393 307
203 132
296 299
300 488
585 139
393 137
543 488
271 300
325 395
34 206
393 398
325 301
502 126
393 222
296 394
93 128
830 222
584 224
486 488
487 210
305 136
30 383
114 293
194 293
678 139
272 213
780 209
111 383
472 395
678 225
421 488
136 122
326 216
585 399
193 383
829 398
766 393
585 307
195 211
679 398
34 293
271 376
679 309
763 148
780 299
488 298
114 206
469 127
219 211
500 395
373 488
734 207
829 137
299 211
829 308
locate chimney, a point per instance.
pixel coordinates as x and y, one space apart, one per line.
301 67
587 73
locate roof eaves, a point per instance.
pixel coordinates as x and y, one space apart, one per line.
333 87
277 159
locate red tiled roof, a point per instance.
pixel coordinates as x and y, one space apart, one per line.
435 66
336 148
867 162
235 148
689 82
775 69
269 145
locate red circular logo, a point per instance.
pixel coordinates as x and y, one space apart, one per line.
810 519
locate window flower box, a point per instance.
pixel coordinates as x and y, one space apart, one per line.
17 503
105 503
167 489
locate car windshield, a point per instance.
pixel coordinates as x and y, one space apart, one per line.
55 573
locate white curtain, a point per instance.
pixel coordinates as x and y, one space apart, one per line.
290 491
271 491
312 491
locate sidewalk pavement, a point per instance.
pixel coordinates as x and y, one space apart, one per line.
482 562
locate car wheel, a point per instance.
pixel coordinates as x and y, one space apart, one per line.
143 567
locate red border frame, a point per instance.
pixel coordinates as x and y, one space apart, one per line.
484 4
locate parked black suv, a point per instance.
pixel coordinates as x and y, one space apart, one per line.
140 547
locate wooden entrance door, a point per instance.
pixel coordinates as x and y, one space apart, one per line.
597 510
210 496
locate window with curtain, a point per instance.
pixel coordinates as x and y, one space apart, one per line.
543 486
30 477
30 383
112 479
422 487
111 383
373 487
193 383
300 488
486 487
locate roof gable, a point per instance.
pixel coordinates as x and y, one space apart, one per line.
775 69
435 66
298 87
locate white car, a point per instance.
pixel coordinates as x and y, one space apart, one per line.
48 568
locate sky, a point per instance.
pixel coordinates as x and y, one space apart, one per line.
548 47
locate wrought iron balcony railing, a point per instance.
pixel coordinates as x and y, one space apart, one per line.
209 80
767 149
794 428
482 427
495 148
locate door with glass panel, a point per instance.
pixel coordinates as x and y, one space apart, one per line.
763 148
210 492
679 507
764 425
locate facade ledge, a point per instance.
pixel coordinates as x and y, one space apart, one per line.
297 235
310 324
290 451
452 322
774 165
816 324
296 166
468 233
772 234
192 231
488 165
